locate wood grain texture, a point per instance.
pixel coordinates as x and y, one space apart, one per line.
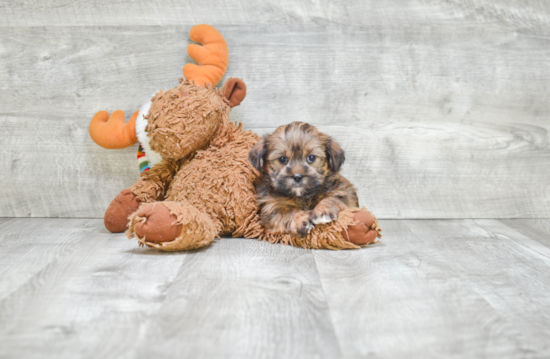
26 251
70 289
431 289
536 229
244 299
440 288
447 121
239 12
55 170
441 106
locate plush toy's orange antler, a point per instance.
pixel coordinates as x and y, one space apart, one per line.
212 56
113 132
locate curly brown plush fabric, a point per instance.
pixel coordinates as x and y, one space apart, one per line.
326 236
219 181
152 184
207 182
205 166
197 228
185 119
205 185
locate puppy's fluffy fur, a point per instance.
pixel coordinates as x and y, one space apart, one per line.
300 184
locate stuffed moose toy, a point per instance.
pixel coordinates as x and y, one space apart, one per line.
196 181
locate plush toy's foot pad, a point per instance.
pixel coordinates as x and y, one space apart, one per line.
116 216
159 225
171 226
365 230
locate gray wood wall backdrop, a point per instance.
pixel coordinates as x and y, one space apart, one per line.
442 106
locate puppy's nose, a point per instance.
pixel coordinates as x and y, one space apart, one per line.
297 177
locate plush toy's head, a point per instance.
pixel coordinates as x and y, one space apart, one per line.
186 117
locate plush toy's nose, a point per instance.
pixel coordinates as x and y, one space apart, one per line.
297 177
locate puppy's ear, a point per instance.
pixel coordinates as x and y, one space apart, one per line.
256 156
335 155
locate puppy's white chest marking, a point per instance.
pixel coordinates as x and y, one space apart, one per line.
322 219
298 191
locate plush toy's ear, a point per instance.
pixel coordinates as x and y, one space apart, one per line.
335 155
256 156
235 91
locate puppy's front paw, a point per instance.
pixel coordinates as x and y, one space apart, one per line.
324 214
301 224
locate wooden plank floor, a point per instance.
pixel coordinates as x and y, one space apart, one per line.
431 289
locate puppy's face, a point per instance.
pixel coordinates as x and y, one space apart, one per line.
297 158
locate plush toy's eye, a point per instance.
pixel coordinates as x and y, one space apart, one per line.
311 158
283 159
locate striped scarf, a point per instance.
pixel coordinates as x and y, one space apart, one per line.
143 161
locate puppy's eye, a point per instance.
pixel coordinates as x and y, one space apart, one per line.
311 158
283 159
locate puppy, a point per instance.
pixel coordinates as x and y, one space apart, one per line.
300 185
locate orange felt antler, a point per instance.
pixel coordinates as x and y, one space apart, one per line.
113 132
212 57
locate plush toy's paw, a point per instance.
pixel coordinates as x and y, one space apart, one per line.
324 214
365 230
301 224
116 216
159 225
171 226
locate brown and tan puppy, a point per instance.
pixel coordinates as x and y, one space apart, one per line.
300 184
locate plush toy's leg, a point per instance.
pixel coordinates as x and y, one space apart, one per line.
160 225
353 228
116 216
171 226
364 231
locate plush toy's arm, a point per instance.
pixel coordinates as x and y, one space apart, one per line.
153 183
